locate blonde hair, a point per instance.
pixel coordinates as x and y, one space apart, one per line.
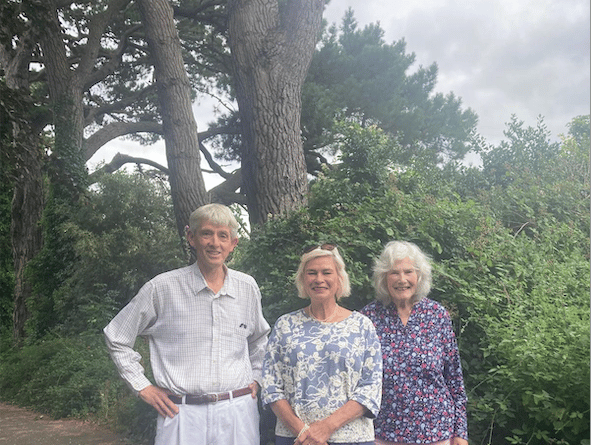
397 251
344 289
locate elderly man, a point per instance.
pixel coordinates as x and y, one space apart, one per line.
207 338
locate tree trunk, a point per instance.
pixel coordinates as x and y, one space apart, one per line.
28 195
272 48
174 93
65 92
27 204
26 234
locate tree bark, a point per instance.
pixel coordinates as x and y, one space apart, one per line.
28 195
174 93
26 234
272 48
26 207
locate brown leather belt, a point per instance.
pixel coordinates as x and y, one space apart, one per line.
208 398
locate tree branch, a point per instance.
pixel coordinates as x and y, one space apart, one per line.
93 113
118 161
96 27
225 193
115 130
114 60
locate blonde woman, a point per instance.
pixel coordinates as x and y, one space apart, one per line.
323 367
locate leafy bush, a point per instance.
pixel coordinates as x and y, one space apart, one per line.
60 376
511 266
526 306
74 377
360 220
124 235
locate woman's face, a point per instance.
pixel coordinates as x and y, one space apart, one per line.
402 280
321 280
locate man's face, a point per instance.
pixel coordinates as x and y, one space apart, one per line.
212 244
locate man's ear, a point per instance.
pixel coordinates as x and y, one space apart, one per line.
190 237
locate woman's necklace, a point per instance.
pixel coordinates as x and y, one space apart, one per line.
324 320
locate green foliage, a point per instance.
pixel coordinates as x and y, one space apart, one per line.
511 265
74 377
530 178
366 154
360 209
526 150
125 238
355 75
6 263
59 376
523 291
525 303
52 266
123 235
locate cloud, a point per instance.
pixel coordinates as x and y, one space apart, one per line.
502 57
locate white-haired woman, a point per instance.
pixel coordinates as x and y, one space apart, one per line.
322 373
424 401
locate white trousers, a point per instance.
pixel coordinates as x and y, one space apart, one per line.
229 422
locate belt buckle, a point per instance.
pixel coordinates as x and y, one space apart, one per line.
213 398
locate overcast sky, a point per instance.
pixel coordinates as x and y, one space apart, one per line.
502 57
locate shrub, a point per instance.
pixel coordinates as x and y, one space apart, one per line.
525 304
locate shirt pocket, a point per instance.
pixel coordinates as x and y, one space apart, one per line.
234 340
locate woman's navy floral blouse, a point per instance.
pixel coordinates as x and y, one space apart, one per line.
423 396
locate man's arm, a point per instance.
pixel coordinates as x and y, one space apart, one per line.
121 334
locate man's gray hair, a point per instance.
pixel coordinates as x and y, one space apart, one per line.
217 214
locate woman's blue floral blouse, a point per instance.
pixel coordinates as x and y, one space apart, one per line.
423 399
317 367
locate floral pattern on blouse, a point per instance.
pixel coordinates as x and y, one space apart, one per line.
317 367
423 399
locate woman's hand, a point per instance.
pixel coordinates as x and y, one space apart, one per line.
317 434
458 441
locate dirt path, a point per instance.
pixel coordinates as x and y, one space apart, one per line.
19 426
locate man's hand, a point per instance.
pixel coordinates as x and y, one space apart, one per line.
254 389
158 398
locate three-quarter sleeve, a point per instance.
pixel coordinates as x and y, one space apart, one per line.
272 380
452 373
368 391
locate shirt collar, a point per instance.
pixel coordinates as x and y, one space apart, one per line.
229 288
